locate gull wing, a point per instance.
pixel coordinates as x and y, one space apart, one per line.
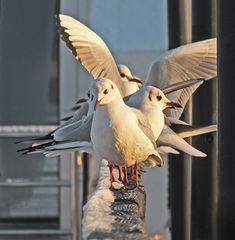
155 158
76 131
144 125
192 61
170 139
89 49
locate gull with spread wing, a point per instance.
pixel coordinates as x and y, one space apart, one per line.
197 60
76 134
191 61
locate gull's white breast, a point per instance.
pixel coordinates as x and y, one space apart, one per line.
117 137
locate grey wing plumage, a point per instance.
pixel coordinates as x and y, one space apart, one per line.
78 115
167 149
77 131
62 147
144 125
169 138
191 61
89 49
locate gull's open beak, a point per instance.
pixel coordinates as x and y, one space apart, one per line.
97 102
173 105
135 79
82 100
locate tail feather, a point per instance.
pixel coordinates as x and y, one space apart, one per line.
34 148
47 137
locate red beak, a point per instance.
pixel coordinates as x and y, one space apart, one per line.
97 102
82 100
174 105
135 79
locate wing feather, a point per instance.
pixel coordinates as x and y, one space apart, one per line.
191 61
89 49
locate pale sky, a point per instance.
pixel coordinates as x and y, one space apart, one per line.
130 24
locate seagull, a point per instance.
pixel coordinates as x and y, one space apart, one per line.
146 100
178 66
76 136
192 61
71 135
122 134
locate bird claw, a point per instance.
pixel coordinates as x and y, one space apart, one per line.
161 164
139 187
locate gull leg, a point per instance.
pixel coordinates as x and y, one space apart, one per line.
134 171
141 170
137 184
112 180
119 167
125 175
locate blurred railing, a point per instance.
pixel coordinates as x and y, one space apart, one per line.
36 131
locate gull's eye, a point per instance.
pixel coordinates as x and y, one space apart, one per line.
105 91
88 94
159 98
92 97
122 75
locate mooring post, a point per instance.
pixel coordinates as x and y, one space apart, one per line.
116 214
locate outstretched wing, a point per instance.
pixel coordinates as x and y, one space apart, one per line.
192 61
89 49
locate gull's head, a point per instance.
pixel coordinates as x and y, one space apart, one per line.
126 75
105 91
155 97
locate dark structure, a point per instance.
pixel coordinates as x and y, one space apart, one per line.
226 133
179 28
204 171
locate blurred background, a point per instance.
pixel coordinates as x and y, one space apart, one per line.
40 81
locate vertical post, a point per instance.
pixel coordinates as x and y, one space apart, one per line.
74 196
179 27
226 116
86 177
64 206
204 171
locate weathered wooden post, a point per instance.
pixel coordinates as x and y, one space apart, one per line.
116 214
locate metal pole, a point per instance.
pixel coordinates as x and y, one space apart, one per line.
74 196
226 116
204 171
86 177
179 19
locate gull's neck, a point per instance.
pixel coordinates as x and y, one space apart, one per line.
115 106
